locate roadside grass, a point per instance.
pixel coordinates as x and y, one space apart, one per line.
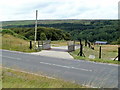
10 42
109 52
17 79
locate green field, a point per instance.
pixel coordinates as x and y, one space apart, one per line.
18 79
27 22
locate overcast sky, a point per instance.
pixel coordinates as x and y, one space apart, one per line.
58 9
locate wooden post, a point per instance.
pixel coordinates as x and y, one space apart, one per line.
42 43
100 53
80 42
38 44
30 45
85 42
81 49
89 44
118 53
74 46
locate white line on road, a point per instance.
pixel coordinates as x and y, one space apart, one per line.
11 57
65 66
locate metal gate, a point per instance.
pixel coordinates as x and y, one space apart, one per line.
44 44
71 46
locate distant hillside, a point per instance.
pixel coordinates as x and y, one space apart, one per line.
105 30
27 22
50 33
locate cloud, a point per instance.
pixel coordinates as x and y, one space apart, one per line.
58 9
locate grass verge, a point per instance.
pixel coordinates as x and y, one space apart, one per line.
10 42
108 52
17 79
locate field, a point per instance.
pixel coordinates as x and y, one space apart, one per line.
109 52
27 22
61 43
10 42
18 79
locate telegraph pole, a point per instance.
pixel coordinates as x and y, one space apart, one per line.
36 27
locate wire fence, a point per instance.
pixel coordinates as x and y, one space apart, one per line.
107 52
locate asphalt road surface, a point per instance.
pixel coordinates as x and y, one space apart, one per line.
81 72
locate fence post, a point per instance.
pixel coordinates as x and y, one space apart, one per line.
100 53
81 49
118 53
85 42
74 46
89 44
38 44
30 45
80 42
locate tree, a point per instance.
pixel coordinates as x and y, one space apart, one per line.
118 41
43 36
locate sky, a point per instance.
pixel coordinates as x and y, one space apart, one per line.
58 9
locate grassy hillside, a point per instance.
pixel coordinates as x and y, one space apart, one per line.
51 33
93 30
10 42
10 32
18 79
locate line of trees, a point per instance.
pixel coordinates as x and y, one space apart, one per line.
49 33
92 30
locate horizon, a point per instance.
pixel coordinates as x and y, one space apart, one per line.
57 20
54 9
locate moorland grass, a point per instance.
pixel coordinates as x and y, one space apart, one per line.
10 42
18 79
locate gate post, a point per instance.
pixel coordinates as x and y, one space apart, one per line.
85 42
30 45
100 53
80 41
74 46
38 44
81 49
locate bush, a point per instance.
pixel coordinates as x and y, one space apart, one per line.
43 36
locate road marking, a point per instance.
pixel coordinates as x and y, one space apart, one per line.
66 66
11 57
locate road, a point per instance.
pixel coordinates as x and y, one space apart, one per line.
55 52
81 72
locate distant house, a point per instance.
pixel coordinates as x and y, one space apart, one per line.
101 42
